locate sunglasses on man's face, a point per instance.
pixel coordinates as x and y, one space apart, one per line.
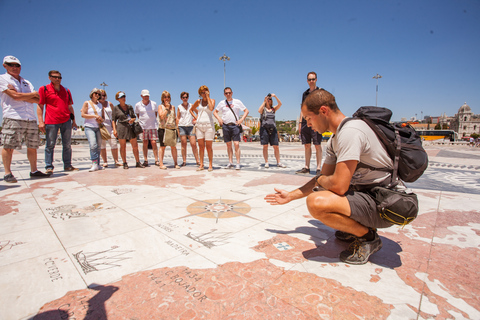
56 77
13 65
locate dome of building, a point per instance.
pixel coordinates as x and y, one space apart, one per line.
465 109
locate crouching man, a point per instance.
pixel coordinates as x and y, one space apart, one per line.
338 195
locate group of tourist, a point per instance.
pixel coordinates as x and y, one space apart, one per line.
193 123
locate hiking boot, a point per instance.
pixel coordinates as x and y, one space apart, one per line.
38 174
360 250
49 171
9 178
345 236
303 171
71 168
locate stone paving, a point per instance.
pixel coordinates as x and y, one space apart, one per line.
181 244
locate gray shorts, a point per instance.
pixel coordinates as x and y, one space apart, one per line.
16 131
364 210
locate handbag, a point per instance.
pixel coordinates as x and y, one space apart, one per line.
397 207
236 119
137 128
170 137
103 130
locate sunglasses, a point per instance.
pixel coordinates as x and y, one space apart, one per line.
56 77
185 97
312 79
13 65
228 92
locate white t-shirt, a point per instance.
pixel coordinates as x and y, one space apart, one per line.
357 141
15 109
185 116
146 114
227 114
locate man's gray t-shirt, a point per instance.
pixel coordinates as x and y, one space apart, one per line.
357 141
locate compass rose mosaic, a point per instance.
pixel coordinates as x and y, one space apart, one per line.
219 209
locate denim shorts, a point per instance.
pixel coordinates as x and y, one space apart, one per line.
185 131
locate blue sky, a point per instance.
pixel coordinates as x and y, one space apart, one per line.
427 51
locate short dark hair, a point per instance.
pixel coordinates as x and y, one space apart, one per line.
312 72
226 89
52 72
184 93
318 98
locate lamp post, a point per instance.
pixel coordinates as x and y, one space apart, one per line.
377 76
224 58
103 84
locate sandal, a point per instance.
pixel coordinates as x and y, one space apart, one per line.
163 168
157 163
139 165
118 164
105 165
125 165
200 168
183 164
177 166
210 169
145 163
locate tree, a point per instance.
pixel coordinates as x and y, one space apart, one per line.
255 129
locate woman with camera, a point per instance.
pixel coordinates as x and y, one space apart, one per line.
268 129
202 111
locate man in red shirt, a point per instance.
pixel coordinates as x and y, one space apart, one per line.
59 114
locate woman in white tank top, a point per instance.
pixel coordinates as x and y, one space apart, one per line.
185 128
202 112
93 113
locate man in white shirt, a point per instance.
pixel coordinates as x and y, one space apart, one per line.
146 111
19 118
231 124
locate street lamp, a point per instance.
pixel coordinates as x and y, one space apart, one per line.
224 58
103 84
377 76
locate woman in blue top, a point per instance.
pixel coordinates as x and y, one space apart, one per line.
268 129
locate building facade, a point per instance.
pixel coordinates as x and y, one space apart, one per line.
465 122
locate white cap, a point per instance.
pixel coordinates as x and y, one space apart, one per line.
11 59
145 92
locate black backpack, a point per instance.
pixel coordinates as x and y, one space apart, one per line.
401 141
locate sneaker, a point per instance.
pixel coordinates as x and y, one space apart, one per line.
237 167
303 171
360 250
281 165
345 236
9 178
38 174
49 171
139 165
267 165
71 168
94 167
230 165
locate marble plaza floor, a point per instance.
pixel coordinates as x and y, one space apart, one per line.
181 244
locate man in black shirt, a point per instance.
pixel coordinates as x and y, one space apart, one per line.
307 134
